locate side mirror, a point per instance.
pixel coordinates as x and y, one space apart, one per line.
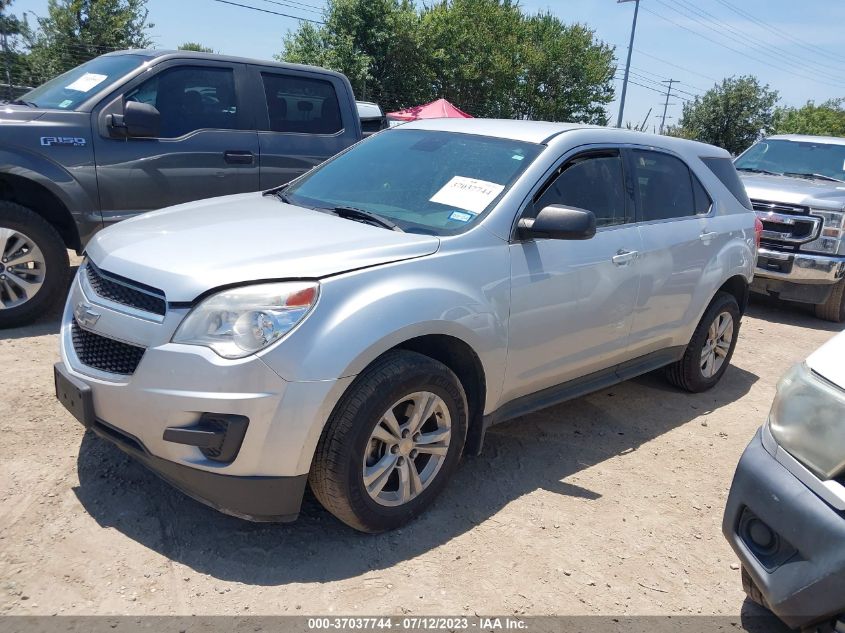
559 222
139 120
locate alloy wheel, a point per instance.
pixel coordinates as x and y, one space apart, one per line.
407 448
717 345
22 268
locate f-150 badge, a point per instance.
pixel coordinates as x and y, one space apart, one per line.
73 141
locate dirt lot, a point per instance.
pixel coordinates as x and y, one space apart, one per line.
610 504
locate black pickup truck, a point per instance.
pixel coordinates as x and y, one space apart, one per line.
134 131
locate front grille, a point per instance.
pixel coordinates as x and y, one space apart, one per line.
786 225
104 353
126 292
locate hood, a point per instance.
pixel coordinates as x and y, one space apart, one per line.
192 248
790 190
827 360
18 114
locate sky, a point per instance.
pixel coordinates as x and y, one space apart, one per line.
795 47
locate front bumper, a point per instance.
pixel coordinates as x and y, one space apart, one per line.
174 386
801 576
799 267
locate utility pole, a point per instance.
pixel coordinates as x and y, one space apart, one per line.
666 103
627 63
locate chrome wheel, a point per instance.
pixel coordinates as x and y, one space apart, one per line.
407 448
22 268
718 344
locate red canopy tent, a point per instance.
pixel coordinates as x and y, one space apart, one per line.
440 109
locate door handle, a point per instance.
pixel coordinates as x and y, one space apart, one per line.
234 157
706 237
622 257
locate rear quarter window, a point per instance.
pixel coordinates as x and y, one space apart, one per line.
724 170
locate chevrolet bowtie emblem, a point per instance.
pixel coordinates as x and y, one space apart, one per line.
85 316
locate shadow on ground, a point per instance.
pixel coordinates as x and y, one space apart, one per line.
538 451
48 323
788 313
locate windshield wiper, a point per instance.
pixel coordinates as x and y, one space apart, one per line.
353 213
816 176
29 104
754 170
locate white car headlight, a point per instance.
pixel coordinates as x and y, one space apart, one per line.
808 420
241 321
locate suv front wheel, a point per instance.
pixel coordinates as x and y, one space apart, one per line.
711 347
34 265
392 442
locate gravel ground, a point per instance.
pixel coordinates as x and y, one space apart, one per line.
609 504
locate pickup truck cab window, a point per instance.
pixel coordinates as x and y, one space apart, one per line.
70 89
191 98
594 181
301 104
795 158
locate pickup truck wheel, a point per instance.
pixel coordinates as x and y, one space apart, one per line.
392 442
834 308
34 265
710 349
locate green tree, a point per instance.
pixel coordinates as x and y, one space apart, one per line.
14 67
196 47
74 31
567 73
486 56
732 115
373 42
827 119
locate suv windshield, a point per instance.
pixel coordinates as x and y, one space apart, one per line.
795 158
72 88
424 181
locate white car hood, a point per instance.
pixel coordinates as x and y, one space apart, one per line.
192 248
829 360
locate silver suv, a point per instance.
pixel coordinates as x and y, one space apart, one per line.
360 328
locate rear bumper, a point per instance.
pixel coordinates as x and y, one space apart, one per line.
801 578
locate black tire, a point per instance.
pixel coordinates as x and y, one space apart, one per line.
834 308
336 476
687 373
751 590
57 266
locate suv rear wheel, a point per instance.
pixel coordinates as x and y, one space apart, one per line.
834 308
711 347
34 265
391 443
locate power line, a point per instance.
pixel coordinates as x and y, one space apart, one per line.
737 51
660 59
727 46
297 5
284 15
749 40
780 32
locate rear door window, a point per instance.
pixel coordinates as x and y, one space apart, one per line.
190 98
665 186
301 104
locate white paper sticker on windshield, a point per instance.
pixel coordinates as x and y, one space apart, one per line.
86 82
470 194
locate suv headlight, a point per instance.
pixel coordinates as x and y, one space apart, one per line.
241 321
808 420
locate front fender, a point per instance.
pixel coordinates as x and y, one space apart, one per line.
362 314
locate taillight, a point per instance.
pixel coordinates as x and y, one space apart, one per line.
758 231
